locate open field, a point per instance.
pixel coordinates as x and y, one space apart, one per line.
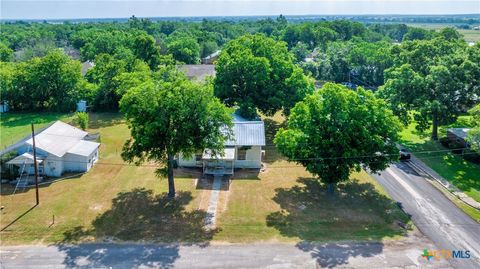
125 202
469 35
454 168
15 126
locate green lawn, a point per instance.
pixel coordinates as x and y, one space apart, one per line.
463 174
15 126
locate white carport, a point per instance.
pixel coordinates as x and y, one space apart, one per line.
25 164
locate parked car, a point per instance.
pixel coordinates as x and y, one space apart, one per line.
405 155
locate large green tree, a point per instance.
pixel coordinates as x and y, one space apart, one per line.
145 49
184 48
336 130
6 54
435 79
474 134
257 72
53 83
171 115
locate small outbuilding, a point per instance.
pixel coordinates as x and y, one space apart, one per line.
60 148
458 135
210 59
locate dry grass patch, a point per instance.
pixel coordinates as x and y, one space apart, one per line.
285 203
84 207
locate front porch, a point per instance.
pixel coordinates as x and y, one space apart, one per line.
218 164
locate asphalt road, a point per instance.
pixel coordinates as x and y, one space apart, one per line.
434 214
398 254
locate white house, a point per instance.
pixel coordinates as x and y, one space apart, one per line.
60 148
243 151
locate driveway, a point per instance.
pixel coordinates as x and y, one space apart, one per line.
433 213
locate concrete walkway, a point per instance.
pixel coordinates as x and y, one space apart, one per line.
210 219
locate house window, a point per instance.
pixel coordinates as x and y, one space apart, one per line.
242 153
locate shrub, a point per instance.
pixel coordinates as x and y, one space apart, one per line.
445 142
82 120
456 147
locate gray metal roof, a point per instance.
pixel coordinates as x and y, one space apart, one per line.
84 148
58 138
198 71
25 158
247 133
459 132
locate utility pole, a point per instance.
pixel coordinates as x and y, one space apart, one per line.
35 166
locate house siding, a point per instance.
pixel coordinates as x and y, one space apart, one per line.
53 166
253 158
75 163
188 161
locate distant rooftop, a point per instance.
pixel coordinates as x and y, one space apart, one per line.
198 71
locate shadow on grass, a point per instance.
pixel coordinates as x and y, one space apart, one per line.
17 218
355 212
104 119
271 128
138 215
18 119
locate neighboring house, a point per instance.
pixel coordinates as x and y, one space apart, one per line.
311 56
60 148
458 135
210 59
197 72
243 151
87 66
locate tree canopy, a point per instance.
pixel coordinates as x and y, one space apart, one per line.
52 83
474 134
169 115
435 79
336 130
256 72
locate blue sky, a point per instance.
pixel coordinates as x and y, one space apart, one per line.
67 9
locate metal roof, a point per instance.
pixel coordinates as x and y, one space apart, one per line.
58 138
459 132
84 148
25 158
198 71
247 132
